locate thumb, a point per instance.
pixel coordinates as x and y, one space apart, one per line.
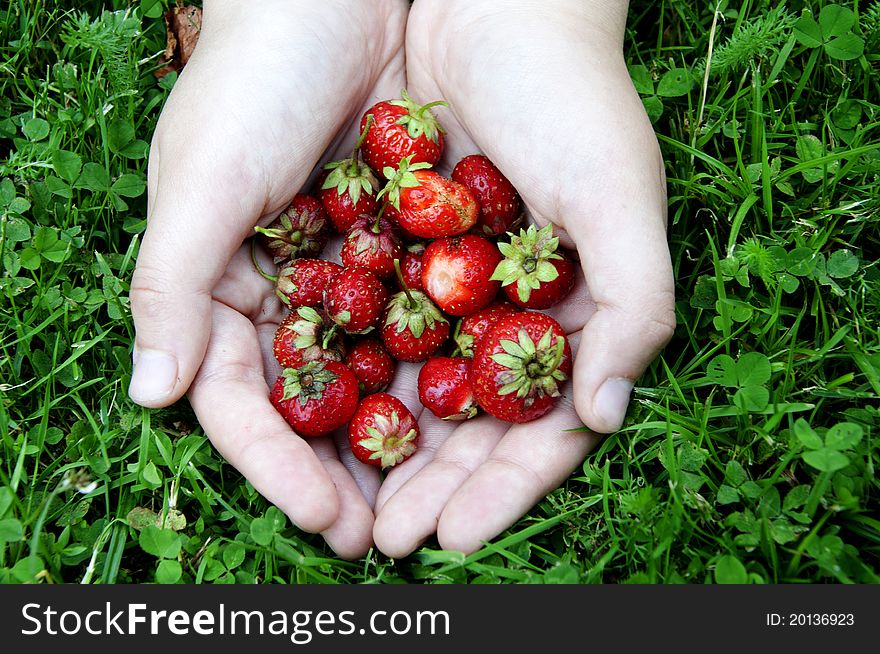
194 227
626 261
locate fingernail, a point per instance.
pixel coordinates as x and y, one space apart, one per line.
154 376
611 401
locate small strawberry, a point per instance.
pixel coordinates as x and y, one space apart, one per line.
374 244
371 364
500 204
349 189
301 283
355 299
445 388
401 128
435 206
382 431
411 266
301 230
457 273
304 336
533 274
473 327
317 397
520 365
413 328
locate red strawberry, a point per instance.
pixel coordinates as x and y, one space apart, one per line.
382 431
457 273
445 388
413 327
411 266
436 206
349 189
301 230
473 327
500 205
355 299
401 128
301 283
533 274
317 397
520 365
371 364
304 336
374 244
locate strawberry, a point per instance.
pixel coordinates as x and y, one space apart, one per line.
435 206
349 189
445 388
520 365
374 244
457 273
304 336
317 397
413 328
382 431
301 283
371 364
472 328
301 230
401 128
354 300
500 204
411 266
533 274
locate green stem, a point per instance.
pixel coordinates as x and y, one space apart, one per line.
397 271
353 169
263 273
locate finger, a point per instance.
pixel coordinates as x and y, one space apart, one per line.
530 461
351 535
626 263
231 401
365 476
432 433
411 513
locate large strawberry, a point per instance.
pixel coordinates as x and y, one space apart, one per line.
473 327
317 397
399 129
301 283
534 273
520 365
349 189
355 300
371 364
445 388
413 328
301 230
304 336
374 244
436 206
457 273
500 204
383 432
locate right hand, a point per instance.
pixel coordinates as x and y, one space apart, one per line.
271 91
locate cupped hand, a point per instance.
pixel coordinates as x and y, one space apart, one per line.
270 92
542 89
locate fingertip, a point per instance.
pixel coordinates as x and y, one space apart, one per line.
604 410
155 379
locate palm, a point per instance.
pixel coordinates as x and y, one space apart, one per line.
578 161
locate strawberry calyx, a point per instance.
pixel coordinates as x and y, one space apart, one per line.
307 382
528 260
352 175
418 119
531 370
403 177
295 233
314 336
391 440
413 310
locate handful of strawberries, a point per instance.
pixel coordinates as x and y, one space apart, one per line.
419 252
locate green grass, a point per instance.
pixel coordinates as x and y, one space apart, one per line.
749 454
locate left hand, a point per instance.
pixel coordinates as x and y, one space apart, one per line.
542 89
